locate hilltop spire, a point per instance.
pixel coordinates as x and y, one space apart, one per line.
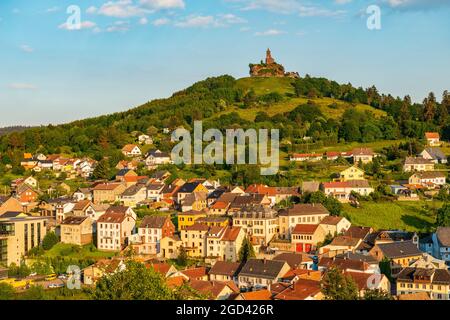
269 59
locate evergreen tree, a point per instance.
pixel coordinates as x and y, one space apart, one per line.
182 258
102 170
429 107
377 294
49 240
247 251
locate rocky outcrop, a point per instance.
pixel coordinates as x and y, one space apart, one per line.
270 68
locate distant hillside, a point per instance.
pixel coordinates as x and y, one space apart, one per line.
322 109
7 130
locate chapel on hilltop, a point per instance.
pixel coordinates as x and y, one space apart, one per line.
270 68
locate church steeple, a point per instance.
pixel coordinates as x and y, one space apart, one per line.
269 59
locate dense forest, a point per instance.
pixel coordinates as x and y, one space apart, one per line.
210 99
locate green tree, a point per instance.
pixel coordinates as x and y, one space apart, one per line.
102 170
136 282
443 216
34 293
338 286
429 107
377 294
182 258
247 251
49 240
6 291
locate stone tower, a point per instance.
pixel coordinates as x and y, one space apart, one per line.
269 59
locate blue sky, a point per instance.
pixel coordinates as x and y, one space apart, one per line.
131 51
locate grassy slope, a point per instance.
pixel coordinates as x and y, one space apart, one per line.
60 250
410 216
283 86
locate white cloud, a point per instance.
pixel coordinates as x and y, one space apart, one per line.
143 21
342 1
163 4
91 10
83 25
196 21
270 32
120 9
220 20
22 86
416 4
26 48
119 26
287 7
160 22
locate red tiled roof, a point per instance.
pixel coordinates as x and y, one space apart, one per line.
231 233
336 184
305 229
195 273
257 295
432 135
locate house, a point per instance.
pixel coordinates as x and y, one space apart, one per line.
301 157
19 233
131 150
335 225
224 271
89 209
306 237
133 195
120 176
151 231
295 260
31 181
230 243
274 194
258 222
76 230
127 164
145 139
352 173
107 192
342 190
428 179
309 187
194 201
103 267
188 218
194 240
363 155
339 245
165 269
155 191
156 157
441 243
26 194
243 201
114 228
189 188
263 294
434 154
214 290
170 247
434 282
300 214
433 139
214 221
82 194
302 289
418 164
366 281
400 254
10 204
261 273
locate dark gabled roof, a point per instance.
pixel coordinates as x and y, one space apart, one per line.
123 172
358 257
358 232
188 187
399 249
436 276
12 214
262 268
226 268
153 222
435 152
307 209
131 191
74 220
158 154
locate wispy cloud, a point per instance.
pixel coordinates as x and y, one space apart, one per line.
163 4
416 4
119 26
83 25
53 9
130 8
220 20
22 86
160 22
26 48
270 32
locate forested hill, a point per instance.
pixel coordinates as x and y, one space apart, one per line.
319 108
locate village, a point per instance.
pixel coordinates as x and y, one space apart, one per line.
228 242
